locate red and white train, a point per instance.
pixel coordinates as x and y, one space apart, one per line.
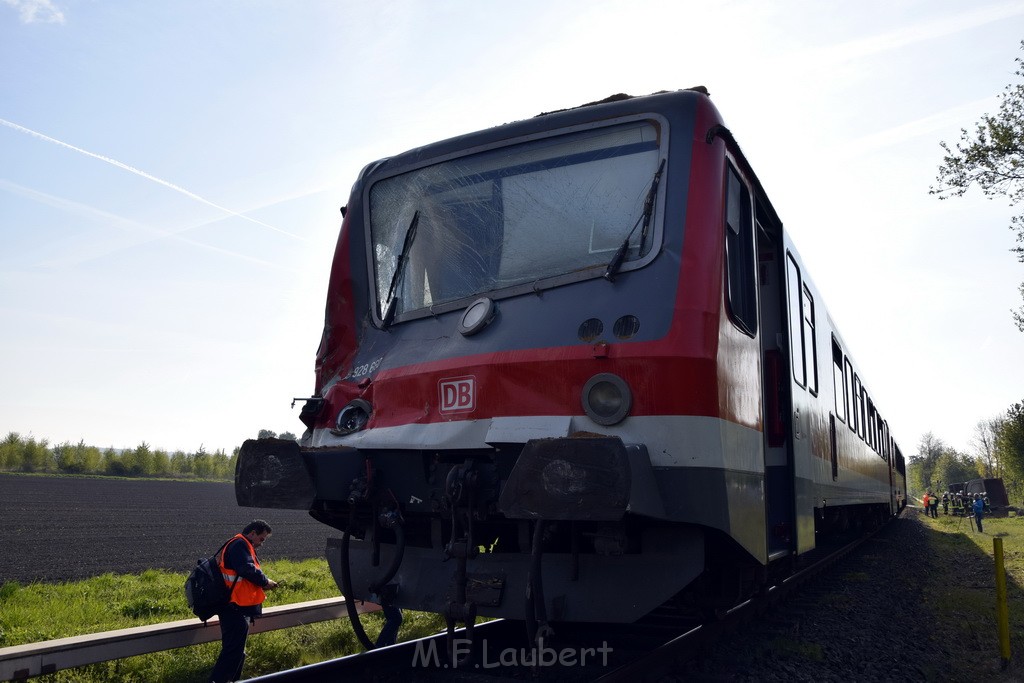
572 369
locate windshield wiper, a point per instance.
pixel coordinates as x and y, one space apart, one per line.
410 235
645 218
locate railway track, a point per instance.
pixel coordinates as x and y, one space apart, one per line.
657 645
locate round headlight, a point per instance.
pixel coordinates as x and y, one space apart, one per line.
352 417
606 399
477 316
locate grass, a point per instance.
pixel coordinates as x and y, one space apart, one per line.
37 612
963 593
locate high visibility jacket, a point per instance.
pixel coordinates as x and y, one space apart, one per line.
245 592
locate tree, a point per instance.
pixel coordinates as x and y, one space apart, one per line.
36 456
267 434
992 157
181 463
288 436
111 462
222 467
923 464
138 462
161 463
984 442
1010 442
201 463
10 451
952 467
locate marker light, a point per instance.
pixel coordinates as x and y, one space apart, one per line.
477 316
606 399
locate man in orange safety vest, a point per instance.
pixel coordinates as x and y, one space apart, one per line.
247 585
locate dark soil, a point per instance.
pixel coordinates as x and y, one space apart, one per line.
56 529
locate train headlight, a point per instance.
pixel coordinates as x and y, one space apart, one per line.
352 417
606 399
477 316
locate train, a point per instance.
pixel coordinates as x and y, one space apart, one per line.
573 369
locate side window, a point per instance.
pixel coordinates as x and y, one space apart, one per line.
741 294
872 424
885 438
803 340
838 385
863 431
883 431
850 404
796 336
810 342
858 405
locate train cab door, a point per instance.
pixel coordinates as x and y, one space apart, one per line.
778 452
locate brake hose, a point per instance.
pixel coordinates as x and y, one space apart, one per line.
346 588
536 612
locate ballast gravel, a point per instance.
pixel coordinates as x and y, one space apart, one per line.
877 616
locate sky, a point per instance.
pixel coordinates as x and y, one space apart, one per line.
171 175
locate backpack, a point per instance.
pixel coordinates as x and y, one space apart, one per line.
204 587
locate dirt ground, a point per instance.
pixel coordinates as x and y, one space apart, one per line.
56 529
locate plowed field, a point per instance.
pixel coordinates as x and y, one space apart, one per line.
67 528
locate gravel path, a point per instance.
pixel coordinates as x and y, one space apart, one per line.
874 618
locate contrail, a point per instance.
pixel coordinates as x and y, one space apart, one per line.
147 176
96 250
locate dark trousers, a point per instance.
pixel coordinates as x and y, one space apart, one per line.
977 517
392 621
234 629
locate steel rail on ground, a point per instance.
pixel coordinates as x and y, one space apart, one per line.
34 659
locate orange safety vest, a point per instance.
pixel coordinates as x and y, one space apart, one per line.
245 592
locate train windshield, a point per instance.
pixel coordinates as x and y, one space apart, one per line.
532 215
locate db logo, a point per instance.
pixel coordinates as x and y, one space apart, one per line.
458 394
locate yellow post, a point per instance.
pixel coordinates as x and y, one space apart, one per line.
1001 608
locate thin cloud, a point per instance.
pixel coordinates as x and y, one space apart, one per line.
933 123
147 176
37 11
95 251
937 28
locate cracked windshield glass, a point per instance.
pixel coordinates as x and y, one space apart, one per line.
510 216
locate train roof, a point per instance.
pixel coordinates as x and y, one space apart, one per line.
611 107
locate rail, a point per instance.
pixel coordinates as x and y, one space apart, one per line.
34 659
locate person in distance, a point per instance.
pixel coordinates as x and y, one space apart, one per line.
979 509
247 583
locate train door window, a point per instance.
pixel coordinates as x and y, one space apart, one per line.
862 405
858 406
850 404
877 431
741 294
810 341
872 424
833 446
796 343
883 431
838 388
